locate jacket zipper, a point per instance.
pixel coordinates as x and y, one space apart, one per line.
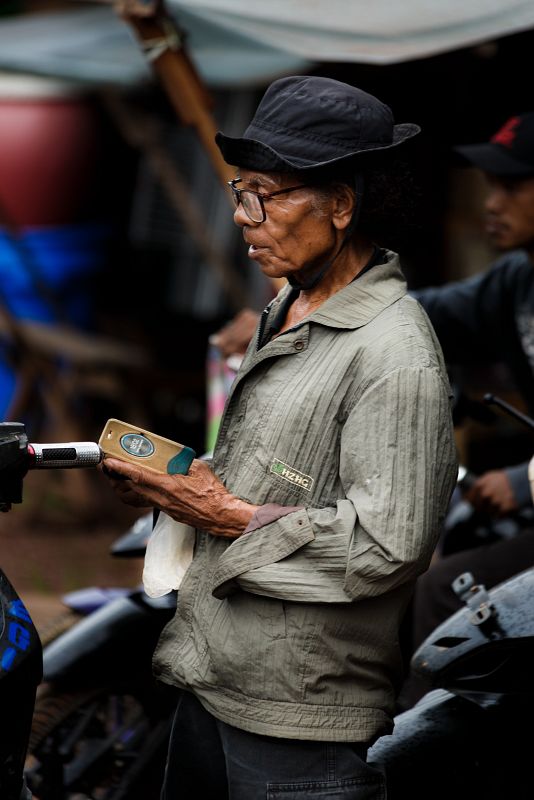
261 327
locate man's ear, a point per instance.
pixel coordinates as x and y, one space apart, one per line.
344 202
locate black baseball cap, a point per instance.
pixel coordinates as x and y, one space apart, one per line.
509 152
307 124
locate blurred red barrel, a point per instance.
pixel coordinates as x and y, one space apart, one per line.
49 142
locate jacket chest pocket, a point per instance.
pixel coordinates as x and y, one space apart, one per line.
282 444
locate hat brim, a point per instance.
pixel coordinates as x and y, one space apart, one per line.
493 159
253 154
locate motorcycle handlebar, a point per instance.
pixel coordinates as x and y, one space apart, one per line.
63 455
17 456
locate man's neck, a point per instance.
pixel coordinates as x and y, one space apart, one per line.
351 263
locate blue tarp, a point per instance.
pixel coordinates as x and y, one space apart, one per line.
62 258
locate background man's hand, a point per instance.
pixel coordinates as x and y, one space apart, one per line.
493 493
234 337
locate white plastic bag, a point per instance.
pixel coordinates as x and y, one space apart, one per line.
169 552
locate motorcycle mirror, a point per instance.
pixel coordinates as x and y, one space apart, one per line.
492 399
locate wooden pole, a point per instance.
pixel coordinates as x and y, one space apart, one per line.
164 46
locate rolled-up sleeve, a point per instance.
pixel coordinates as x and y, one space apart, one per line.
397 466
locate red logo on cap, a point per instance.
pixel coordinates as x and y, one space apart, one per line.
506 135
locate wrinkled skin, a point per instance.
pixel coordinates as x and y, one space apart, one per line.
198 498
299 235
303 231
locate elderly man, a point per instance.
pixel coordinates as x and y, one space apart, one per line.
486 319
332 471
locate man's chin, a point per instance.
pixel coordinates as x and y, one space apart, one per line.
502 242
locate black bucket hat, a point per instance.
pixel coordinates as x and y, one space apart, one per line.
509 153
308 124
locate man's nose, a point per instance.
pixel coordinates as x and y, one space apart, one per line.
494 200
241 219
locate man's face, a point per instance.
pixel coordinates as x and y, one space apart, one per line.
510 212
295 235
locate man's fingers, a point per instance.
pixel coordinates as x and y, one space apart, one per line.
135 474
493 493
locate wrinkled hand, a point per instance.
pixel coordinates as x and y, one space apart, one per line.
198 498
493 493
234 337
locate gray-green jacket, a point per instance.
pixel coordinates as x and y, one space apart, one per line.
291 629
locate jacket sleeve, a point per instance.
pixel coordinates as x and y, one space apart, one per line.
397 467
468 316
518 477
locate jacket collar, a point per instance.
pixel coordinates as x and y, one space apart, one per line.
362 300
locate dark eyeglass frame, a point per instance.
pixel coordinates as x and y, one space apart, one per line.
236 194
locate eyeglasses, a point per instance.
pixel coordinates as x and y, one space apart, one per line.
252 202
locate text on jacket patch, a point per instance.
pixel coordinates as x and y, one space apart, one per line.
292 475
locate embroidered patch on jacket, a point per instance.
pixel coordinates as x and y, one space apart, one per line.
292 475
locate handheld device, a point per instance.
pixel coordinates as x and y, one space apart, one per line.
138 446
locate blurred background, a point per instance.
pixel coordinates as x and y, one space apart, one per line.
118 255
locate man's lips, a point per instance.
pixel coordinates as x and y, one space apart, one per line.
494 226
253 249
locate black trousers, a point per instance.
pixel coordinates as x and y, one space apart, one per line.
211 760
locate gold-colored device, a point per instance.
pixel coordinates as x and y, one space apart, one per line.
130 443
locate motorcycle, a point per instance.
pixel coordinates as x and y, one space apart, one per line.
468 737
20 673
100 722
20 647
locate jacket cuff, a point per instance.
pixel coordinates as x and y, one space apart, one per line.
259 547
268 513
518 477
